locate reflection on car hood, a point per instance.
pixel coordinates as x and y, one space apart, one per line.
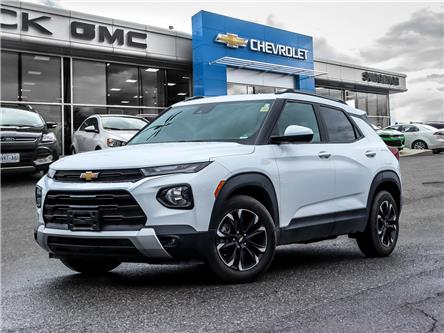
387 131
121 135
155 154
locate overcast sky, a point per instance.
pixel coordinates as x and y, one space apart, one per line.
406 37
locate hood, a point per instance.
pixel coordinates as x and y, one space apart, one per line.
388 131
122 135
154 154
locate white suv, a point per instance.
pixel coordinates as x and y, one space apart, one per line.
224 180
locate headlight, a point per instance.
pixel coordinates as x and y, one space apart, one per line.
177 168
176 196
51 173
114 142
48 138
38 196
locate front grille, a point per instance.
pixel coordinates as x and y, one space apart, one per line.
394 143
101 247
104 176
115 210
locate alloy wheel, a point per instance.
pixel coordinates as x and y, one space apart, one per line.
241 239
419 145
386 223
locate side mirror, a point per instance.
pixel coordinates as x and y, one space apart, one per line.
294 134
51 124
91 129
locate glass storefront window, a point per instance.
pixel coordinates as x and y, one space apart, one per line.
264 90
178 86
9 76
153 86
89 82
371 105
83 112
361 101
123 85
350 98
41 78
335 93
382 102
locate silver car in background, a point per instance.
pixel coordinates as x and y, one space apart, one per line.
105 131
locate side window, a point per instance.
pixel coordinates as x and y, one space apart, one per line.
411 129
94 122
297 114
339 128
85 124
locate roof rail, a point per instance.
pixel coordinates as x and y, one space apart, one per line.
295 91
193 98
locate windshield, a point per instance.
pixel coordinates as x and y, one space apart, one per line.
19 118
123 123
226 121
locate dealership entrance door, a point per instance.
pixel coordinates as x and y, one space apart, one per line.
244 81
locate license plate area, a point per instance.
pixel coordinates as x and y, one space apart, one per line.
10 158
83 220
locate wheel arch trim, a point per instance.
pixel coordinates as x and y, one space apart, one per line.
243 180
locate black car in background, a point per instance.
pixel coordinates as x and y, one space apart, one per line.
436 124
26 143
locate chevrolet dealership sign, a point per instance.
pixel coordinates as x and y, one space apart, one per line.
234 41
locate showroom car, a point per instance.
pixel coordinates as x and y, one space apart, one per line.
224 180
391 137
420 136
105 131
26 142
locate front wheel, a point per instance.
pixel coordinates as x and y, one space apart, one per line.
436 151
90 266
380 237
242 246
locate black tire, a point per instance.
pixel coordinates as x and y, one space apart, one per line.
436 151
90 266
239 257
419 144
380 237
98 148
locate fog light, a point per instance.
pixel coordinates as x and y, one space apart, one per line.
44 160
177 196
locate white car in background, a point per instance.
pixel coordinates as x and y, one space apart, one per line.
420 136
104 131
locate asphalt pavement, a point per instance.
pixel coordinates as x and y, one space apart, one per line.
322 287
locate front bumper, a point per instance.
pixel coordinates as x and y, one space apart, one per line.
174 243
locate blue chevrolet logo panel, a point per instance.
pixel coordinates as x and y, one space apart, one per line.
216 36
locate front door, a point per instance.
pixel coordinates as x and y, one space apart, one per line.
307 174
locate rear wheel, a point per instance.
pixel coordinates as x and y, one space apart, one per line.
419 144
436 151
380 237
90 266
243 244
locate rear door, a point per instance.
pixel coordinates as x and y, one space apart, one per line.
356 160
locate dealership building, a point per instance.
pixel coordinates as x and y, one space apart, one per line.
69 65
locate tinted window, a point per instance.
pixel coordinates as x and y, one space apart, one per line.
410 128
89 82
85 124
339 128
297 114
123 85
94 122
9 76
228 121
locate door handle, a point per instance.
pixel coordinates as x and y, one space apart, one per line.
370 153
324 154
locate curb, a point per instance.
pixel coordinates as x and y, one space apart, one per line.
414 152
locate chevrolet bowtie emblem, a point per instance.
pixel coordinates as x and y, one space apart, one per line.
89 175
231 40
